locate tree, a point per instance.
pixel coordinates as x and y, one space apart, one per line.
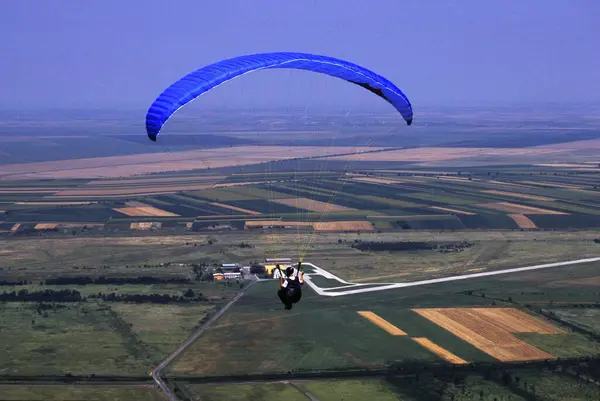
189 293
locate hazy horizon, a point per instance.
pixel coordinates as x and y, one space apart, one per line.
96 55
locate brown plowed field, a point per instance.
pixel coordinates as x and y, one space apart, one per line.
146 211
522 221
237 209
379 180
312 205
445 209
439 351
516 208
130 165
517 195
344 226
490 332
382 323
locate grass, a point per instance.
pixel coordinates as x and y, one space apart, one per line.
562 345
352 390
588 319
323 332
76 393
558 387
42 257
490 251
161 328
77 339
245 392
475 386
263 321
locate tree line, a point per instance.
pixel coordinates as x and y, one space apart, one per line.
74 280
400 246
48 295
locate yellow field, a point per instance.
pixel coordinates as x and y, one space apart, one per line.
55 203
517 209
406 216
16 190
516 321
459 179
439 351
45 226
131 165
141 181
128 190
509 183
323 226
144 211
426 154
490 330
144 226
552 184
384 324
379 180
237 209
517 195
445 209
344 226
277 223
312 205
564 165
522 221
237 184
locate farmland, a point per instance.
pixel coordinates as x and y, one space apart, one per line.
517 385
480 328
390 216
394 326
75 393
393 200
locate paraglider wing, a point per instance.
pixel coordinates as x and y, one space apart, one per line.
204 79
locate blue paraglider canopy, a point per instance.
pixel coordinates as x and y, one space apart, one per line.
206 78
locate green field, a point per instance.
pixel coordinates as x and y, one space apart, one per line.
588 319
256 335
514 385
417 194
328 333
59 392
76 339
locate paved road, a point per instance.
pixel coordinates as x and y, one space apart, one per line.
306 393
372 287
156 372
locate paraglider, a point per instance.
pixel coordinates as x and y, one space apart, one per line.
206 78
290 286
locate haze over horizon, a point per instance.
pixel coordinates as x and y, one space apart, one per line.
112 54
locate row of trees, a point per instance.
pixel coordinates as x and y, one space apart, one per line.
75 296
188 297
83 280
411 246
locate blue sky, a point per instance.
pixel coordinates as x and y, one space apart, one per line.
73 53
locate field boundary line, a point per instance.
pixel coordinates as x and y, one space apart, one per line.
156 372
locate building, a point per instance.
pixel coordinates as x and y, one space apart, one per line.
272 269
230 266
227 276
